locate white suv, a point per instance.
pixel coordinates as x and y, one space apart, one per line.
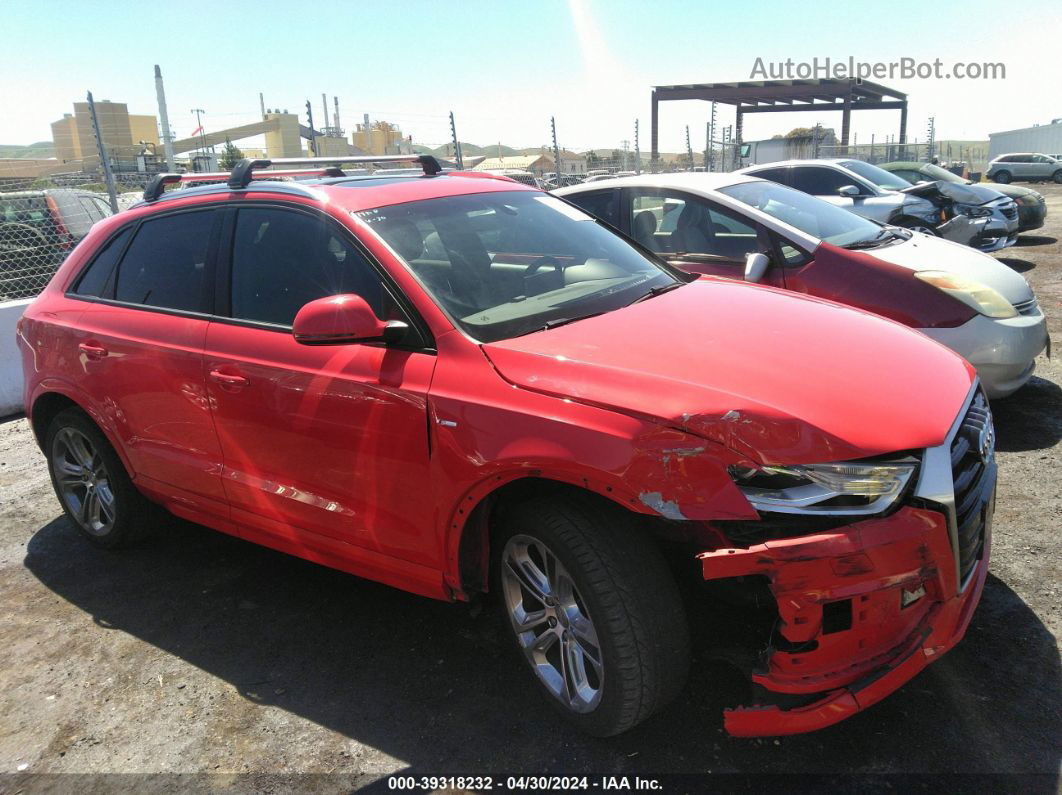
1024 166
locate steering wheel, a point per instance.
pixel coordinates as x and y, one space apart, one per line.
538 264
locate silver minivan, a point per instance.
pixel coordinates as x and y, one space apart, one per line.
1024 166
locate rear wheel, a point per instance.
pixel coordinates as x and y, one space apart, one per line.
1057 176
91 483
1003 177
594 611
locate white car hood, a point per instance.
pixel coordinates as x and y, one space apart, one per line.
927 253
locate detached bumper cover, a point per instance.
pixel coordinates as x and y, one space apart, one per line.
894 585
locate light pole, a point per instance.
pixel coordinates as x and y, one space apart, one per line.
199 126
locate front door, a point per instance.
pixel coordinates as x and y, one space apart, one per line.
696 234
325 447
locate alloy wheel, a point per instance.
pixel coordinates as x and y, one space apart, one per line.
552 624
83 481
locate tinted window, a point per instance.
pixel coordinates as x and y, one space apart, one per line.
282 260
675 223
165 264
504 264
601 204
99 271
820 181
773 174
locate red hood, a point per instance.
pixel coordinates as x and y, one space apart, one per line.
779 377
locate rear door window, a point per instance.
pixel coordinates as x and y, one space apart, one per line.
773 174
600 204
166 264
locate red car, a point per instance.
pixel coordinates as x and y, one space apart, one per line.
453 383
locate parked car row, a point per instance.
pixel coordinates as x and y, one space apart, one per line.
457 384
971 215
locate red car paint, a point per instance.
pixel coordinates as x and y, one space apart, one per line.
377 461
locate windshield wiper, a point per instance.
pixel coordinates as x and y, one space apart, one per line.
559 321
655 291
886 235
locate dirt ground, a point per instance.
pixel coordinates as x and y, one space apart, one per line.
197 653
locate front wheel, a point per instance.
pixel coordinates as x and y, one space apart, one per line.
918 226
1057 177
92 485
1003 178
594 611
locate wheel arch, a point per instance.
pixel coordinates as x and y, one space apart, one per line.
469 529
51 401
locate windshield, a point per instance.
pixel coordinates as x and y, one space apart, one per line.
505 264
812 216
879 176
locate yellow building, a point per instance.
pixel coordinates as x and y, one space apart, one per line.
284 140
121 132
381 138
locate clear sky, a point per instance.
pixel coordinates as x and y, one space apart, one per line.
505 67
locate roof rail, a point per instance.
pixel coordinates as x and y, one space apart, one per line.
244 172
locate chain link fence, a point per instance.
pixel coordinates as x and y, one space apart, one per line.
44 212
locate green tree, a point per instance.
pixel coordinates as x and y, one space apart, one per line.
230 155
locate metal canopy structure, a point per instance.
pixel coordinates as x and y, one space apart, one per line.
780 96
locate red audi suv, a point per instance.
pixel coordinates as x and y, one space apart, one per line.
456 384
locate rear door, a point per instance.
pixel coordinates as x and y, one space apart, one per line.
149 295
325 447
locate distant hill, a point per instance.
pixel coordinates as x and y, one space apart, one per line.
39 149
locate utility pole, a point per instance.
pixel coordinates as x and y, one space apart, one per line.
931 137
261 102
458 158
313 133
707 145
105 163
167 135
689 149
199 125
637 151
711 140
556 150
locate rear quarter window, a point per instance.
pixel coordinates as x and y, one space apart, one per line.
94 278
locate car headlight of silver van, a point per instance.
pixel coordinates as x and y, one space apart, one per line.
975 295
846 488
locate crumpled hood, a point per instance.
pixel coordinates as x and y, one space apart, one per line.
963 194
928 253
772 375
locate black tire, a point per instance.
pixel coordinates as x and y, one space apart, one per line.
1057 177
1002 177
628 593
131 510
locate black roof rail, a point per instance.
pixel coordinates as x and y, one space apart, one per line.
243 173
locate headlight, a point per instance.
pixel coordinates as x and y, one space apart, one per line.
825 489
974 294
973 210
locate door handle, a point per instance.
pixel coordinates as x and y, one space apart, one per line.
92 350
228 379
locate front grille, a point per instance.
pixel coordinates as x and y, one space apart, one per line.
1030 307
1010 212
973 475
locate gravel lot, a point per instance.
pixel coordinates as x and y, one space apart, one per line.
198 653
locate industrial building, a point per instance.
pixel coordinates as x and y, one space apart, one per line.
1042 138
121 130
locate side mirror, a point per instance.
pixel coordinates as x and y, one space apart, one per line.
341 319
849 191
756 266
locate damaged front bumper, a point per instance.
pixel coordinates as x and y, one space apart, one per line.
862 610
864 607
